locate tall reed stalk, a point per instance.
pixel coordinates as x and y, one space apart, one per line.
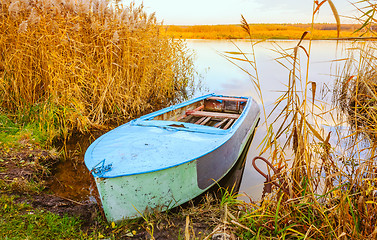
79 64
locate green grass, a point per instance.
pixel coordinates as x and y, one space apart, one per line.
13 132
20 221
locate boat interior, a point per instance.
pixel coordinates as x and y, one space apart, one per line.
218 112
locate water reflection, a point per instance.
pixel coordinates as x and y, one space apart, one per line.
71 178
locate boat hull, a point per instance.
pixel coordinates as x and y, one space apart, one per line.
166 158
130 196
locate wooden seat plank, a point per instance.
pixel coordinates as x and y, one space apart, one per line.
213 114
205 121
199 108
185 115
221 123
228 99
181 117
200 120
228 124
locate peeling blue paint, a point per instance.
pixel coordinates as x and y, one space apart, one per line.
145 145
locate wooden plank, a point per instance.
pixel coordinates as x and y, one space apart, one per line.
181 117
205 121
228 124
199 108
228 99
214 114
185 115
221 123
200 120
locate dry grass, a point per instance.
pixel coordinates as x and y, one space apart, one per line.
356 92
328 186
74 65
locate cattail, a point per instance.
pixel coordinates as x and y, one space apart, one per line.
25 5
152 18
95 6
106 26
125 14
23 27
71 5
73 68
58 6
47 4
102 7
54 26
5 2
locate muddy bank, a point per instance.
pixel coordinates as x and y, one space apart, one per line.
27 170
30 174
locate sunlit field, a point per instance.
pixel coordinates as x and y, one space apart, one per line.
259 31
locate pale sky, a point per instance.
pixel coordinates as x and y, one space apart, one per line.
195 12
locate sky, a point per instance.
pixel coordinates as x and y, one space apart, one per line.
197 12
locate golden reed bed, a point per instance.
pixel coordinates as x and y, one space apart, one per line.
81 64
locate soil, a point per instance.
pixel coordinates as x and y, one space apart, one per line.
26 171
21 166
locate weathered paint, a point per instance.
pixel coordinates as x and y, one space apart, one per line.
149 163
145 145
129 196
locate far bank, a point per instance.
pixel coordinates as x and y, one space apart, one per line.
260 31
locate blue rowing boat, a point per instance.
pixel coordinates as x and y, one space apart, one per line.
166 158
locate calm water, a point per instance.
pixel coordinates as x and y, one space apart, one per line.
220 76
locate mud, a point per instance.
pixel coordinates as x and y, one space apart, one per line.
25 172
34 176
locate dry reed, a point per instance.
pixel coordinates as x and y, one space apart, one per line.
356 92
327 187
74 65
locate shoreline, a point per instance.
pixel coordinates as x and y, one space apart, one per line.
262 31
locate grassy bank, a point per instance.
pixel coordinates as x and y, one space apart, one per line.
16 219
259 31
